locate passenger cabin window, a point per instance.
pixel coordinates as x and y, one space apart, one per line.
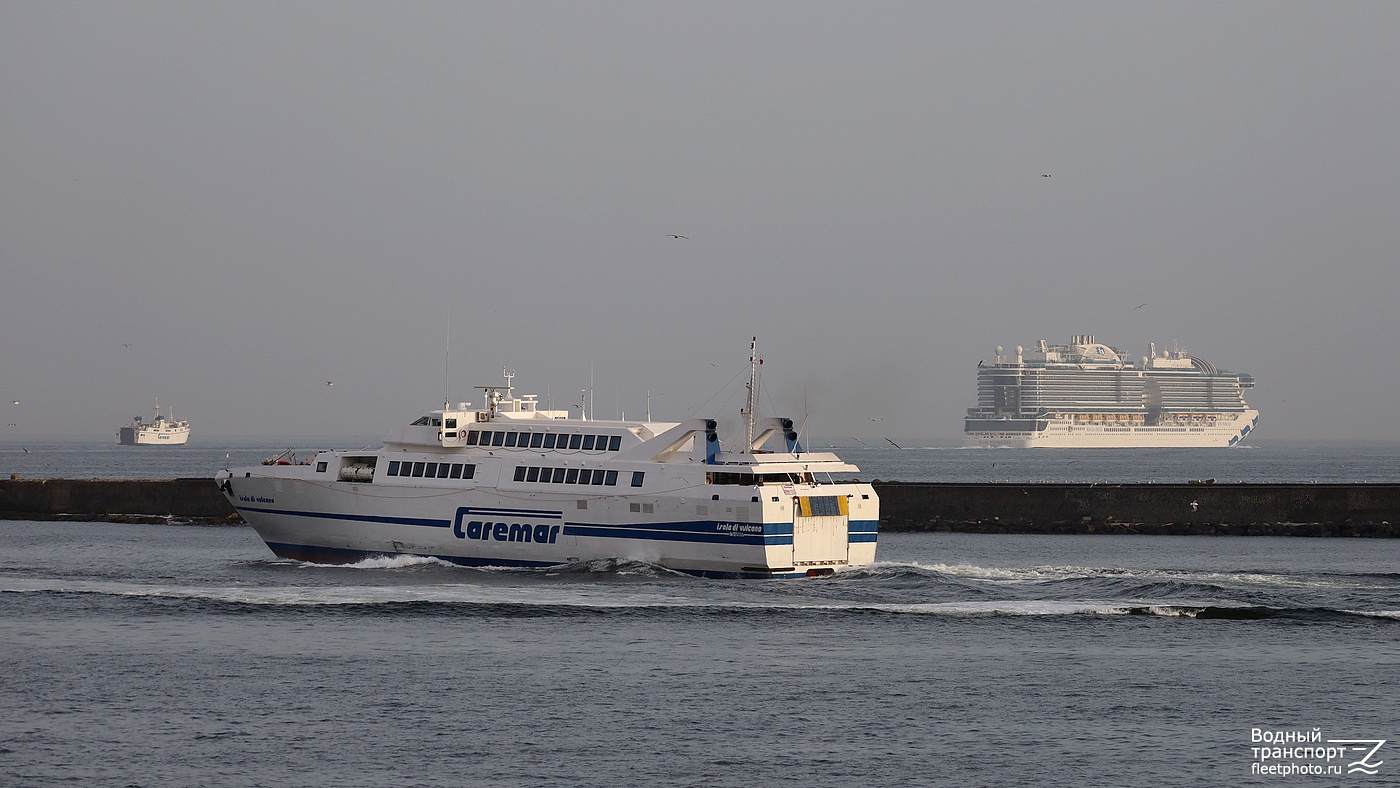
432 470
637 478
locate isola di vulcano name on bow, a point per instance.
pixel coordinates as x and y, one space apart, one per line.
512 484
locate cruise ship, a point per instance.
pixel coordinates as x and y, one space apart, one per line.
1089 395
158 432
516 485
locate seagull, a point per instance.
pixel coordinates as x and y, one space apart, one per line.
876 418
1045 176
896 445
673 235
858 440
26 451
1140 306
330 383
16 402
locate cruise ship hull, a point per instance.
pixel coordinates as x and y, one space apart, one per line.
733 536
1063 433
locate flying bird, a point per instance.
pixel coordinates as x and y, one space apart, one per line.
330 383
673 235
1045 176
896 445
876 418
1140 306
16 402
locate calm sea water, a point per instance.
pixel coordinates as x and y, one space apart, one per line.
183 655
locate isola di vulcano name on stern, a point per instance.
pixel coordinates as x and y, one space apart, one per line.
515 485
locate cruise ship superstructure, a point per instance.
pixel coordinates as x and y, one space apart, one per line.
1087 394
513 484
158 432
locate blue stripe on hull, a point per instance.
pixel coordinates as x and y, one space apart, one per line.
359 518
672 532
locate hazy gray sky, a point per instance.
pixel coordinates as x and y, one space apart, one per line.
225 205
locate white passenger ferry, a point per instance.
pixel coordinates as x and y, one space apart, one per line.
511 484
159 432
1089 395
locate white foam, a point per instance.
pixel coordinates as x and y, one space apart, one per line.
1040 574
399 561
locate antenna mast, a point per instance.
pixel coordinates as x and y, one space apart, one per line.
753 395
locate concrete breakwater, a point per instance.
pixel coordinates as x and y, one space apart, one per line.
1366 510
117 500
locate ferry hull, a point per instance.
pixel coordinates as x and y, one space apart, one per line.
343 523
128 436
1064 434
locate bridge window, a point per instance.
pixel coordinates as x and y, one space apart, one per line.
614 442
510 438
431 470
549 440
572 476
611 479
456 471
418 469
575 441
471 437
536 439
532 475
588 442
558 475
